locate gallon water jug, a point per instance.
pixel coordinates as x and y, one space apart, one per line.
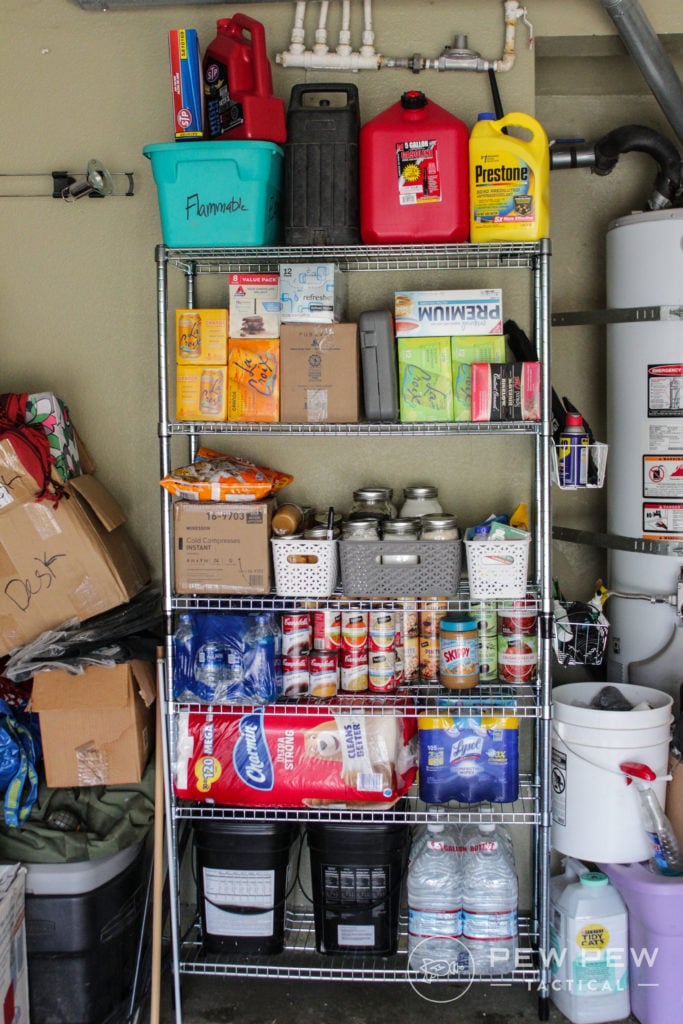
589 947
509 180
414 175
321 166
238 84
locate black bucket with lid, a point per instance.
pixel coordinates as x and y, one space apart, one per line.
321 184
241 875
357 873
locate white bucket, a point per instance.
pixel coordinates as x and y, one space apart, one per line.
595 813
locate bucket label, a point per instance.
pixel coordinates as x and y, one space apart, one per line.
503 190
417 168
251 756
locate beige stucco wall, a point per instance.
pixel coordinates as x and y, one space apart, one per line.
77 292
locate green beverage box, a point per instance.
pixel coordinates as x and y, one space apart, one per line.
464 352
426 386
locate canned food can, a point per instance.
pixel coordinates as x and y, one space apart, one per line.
354 631
431 614
381 671
517 618
517 659
486 615
381 622
295 681
411 660
408 617
323 673
429 659
326 630
488 659
399 669
297 633
354 671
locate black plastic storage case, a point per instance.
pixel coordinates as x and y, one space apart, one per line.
379 363
321 189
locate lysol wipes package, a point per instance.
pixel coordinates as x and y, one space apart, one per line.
266 758
468 759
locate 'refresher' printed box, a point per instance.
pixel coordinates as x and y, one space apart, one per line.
312 292
425 383
429 314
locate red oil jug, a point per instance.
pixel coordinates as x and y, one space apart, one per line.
238 84
414 174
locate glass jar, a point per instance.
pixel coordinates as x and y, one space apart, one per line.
373 502
320 532
361 529
420 501
441 526
400 529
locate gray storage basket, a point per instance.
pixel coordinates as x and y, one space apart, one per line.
400 568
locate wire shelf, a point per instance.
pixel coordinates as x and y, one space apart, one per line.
408 810
359 257
187 427
300 959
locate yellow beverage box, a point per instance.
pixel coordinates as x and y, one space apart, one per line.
201 392
254 380
464 352
202 336
426 389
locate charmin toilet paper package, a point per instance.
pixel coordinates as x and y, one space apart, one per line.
266 758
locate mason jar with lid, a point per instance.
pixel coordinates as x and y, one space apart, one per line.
420 501
400 529
361 529
374 502
440 526
320 532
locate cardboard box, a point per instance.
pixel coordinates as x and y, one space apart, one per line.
202 336
312 292
425 383
428 314
13 963
186 83
222 547
506 391
71 561
96 728
201 393
319 373
464 352
254 305
254 381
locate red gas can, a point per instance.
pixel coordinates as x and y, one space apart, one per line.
238 84
414 174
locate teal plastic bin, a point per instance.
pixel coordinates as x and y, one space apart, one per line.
215 194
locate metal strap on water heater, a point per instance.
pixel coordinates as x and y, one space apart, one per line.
628 315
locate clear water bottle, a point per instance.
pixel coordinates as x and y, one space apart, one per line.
217 668
263 645
434 904
183 653
490 896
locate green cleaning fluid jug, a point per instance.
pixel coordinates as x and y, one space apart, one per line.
509 180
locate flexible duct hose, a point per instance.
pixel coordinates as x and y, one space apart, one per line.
637 138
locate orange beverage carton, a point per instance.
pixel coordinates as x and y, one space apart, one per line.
201 392
202 336
254 380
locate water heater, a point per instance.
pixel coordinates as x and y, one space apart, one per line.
645 436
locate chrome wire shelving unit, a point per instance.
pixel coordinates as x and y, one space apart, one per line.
531 704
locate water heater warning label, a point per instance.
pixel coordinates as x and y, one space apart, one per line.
663 476
665 389
662 520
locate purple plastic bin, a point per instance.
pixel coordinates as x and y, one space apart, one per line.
655 932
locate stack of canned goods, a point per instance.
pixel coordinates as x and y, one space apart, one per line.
517 641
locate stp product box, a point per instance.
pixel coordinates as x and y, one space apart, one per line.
314 292
13 964
201 336
186 83
222 547
506 391
96 728
320 376
254 305
254 381
69 561
464 352
425 384
426 314
201 392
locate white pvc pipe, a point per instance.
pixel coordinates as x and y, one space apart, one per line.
298 38
344 47
321 31
368 47
513 12
333 61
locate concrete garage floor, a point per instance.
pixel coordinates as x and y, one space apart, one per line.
213 1000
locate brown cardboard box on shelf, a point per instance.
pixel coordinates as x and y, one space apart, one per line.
96 728
319 373
58 563
222 547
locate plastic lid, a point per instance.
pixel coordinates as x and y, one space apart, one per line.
594 878
458 623
435 827
487 827
413 100
486 115
574 420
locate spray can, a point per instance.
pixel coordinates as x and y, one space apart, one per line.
238 84
413 174
572 453
509 180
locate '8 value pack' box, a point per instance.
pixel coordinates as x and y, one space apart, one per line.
254 305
